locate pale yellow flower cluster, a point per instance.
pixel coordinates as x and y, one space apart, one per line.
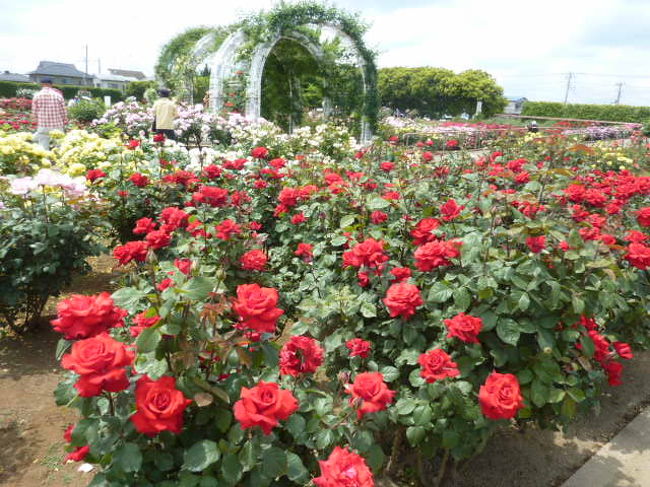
19 150
80 151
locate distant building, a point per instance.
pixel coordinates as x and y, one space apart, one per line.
20 78
60 74
113 81
515 104
137 75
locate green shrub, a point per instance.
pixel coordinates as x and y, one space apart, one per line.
138 88
87 110
614 113
8 89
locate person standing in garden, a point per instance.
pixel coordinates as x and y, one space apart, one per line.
48 108
164 114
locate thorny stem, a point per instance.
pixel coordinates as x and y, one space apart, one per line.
441 470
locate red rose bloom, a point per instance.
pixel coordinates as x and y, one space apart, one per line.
256 307
344 468
500 396
78 454
159 406
159 138
436 254
212 171
369 253
536 244
211 195
100 361
305 251
465 327
174 218
140 322
260 152
300 355
437 365
614 370
298 218
95 174
86 316
139 180
158 239
422 233
450 210
387 166
623 350
254 260
370 393
143 226
402 299
135 250
427 156
264 405
643 216
133 144
184 265
638 255
378 217
227 229
164 284
635 236
358 347
401 273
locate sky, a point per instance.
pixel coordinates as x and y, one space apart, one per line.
530 47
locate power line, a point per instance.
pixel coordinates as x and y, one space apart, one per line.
568 86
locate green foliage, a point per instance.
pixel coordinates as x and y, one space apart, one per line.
8 89
86 110
434 92
612 113
138 88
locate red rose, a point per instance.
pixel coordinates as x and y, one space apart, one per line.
94 174
159 406
638 255
226 229
450 210
298 218
164 284
143 226
465 327
304 250
635 236
139 180
78 454
371 392
643 216
135 250
500 396
158 239
436 254
536 244
256 307
402 298
387 166
423 231
211 195
254 260
159 138
378 217
427 156
212 171
133 144
174 218
623 350
86 316
260 152
300 355
358 347
614 370
401 273
437 365
369 253
391 195
184 265
141 322
264 405
100 361
344 468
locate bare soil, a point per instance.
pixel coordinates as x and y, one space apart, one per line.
31 425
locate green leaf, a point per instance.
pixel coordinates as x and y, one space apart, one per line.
201 455
539 393
524 302
231 469
377 202
368 310
405 406
450 439
422 415
148 340
296 471
576 394
390 373
508 331
462 298
128 297
223 420
346 221
128 457
578 304
247 456
62 347
274 462
324 438
198 288
415 434
164 461
339 240
375 457
439 293
296 425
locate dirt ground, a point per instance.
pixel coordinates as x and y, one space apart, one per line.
31 425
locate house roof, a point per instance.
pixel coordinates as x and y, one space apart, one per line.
139 75
59 69
7 76
516 98
113 77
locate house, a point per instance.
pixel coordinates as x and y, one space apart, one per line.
515 104
114 81
137 75
15 77
60 74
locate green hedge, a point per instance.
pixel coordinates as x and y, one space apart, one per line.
613 113
8 90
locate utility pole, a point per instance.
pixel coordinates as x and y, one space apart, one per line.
86 71
618 95
568 86
99 66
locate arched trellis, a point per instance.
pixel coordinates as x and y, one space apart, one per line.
246 49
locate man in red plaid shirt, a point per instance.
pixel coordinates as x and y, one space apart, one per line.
48 108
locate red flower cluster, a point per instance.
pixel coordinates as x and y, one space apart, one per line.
100 362
300 355
436 254
305 251
369 393
227 229
86 316
369 253
423 231
256 307
264 405
344 468
211 195
402 299
159 406
135 250
437 365
464 327
358 347
254 260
